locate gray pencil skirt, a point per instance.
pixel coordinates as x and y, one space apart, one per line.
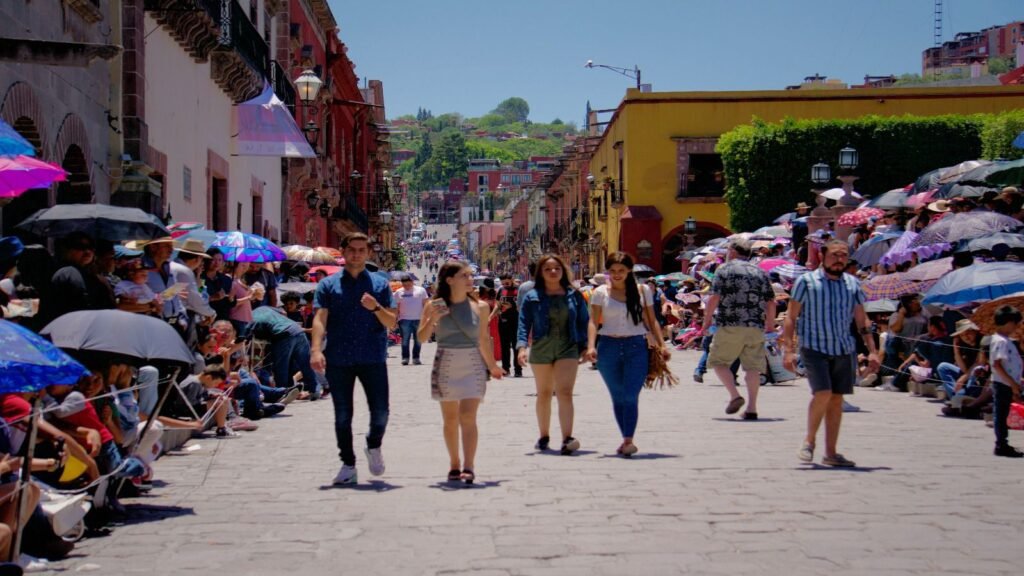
458 374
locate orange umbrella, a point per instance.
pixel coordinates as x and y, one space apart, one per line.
983 316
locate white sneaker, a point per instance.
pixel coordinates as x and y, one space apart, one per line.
347 475
869 381
33 564
847 407
376 461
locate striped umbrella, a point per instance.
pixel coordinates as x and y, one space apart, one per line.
977 283
892 286
241 247
790 272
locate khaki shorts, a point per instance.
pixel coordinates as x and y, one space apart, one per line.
745 343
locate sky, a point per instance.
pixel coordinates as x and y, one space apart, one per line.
467 56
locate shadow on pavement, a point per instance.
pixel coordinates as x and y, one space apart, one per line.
642 456
142 513
818 467
559 454
371 486
742 421
446 486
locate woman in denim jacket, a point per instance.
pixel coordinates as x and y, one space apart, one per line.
555 316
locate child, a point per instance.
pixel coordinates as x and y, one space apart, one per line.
1006 376
134 286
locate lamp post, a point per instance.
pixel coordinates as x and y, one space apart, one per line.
634 73
848 159
308 87
820 217
690 231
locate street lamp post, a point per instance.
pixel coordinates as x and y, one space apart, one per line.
820 217
848 159
308 87
628 73
690 231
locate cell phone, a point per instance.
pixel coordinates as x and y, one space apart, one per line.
439 306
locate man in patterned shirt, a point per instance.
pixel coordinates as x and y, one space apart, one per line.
823 305
742 306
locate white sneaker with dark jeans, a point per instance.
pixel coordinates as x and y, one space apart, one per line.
376 461
347 475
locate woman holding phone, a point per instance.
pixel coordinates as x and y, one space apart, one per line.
464 360
624 311
554 316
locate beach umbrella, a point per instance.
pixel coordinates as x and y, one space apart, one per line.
837 193
14 144
1003 173
29 363
1011 239
980 282
984 315
21 173
134 336
242 247
893 199
965 226
892 286
859 216
100 221
872 250
300 253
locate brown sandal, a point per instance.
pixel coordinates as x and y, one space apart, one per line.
734 405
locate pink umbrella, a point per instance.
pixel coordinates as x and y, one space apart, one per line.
921 198
21 173
860 216
770 264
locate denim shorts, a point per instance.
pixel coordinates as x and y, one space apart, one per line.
826 373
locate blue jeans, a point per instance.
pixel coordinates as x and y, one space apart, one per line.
291 354
408 329
109 459
342 380
623 366
948 373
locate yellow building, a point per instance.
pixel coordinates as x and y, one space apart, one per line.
656 159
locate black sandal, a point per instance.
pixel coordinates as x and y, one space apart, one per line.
454 475
467 476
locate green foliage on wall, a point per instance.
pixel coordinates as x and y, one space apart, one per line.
768 166
998 134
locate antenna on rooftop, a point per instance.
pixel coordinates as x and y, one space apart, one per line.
937 34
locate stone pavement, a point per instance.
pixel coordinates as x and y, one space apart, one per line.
707 494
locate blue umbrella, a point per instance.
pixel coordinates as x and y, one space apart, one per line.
1012 240
977 283
872 250
28 362
241 247
1018 142
12 143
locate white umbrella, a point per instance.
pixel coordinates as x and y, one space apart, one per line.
837 193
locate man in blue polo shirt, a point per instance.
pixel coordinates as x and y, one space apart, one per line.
354 308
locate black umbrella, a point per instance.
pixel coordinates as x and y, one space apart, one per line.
100 221
397 275
1010 173
959 190
928 180
135 336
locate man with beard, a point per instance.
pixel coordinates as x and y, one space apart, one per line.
822 306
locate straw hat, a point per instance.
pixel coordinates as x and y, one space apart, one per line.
963 326
802 206
192 246
140 244
939 206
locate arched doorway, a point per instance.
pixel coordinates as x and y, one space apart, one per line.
76 189
675 242
20 208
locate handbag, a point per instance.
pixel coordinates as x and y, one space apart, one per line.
1015 419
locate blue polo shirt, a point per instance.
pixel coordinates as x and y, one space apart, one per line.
354 335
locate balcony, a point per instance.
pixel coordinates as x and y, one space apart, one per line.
282 85
242 62
194 24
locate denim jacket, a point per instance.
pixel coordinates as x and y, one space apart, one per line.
534 314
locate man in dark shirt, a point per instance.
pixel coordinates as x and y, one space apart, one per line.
354 309
289 348
508 324
931 350
259 273
75 287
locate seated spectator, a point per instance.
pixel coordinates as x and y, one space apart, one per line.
931 351
227 349
958 377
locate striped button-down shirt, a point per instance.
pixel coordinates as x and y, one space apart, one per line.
826 312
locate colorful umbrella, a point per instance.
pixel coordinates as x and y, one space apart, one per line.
332 251
790 272
181 228
12 143
984 315
891 286
905 248
242 247
978 283
21 173
768 264
965 226
860 216
301 253
28 362
921 198
931 270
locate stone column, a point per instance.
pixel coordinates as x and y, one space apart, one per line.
847 203
818 220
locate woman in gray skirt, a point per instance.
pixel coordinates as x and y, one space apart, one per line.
465 358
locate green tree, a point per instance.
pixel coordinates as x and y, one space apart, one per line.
513 109
1000 65
425 152
557 122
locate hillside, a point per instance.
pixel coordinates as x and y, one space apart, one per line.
444 144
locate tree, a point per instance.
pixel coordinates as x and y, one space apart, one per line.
557 122
1000 65
514 109
425 152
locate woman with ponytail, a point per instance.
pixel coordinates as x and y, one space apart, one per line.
625 313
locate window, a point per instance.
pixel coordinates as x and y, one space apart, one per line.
481 190
706 177
238 217
481 180
186 183
506 177
257 215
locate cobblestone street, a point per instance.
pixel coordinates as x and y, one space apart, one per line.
707 494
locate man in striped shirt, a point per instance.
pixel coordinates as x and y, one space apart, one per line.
822 306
